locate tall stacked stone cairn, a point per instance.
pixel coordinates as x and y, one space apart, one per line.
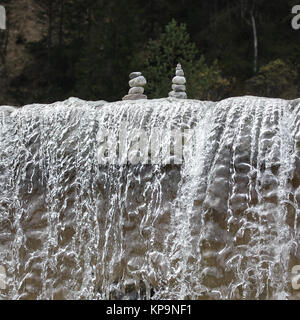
136 83
178 86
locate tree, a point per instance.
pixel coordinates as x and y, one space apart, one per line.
174 46
50 74
89 47
252 22
275 79
208 82
109 52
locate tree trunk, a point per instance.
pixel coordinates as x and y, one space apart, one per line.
254 42
252 23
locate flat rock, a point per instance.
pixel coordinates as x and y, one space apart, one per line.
179 73
134 75
179 80
139 81
178 95
178 87
135 90
137 96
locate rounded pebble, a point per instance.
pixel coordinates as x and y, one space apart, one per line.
178 87
178 95
135 90
139 81
179 73
134 75
179 80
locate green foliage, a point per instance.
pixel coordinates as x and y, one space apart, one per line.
104 65
163 54
173 46
89 47
208 82
275 79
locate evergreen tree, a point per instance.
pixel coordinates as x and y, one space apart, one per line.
173 46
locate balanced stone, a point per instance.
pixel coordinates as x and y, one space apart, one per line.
179 73
179 80
134 75
136 96
139 81
178 95
136 83
135 90
178 87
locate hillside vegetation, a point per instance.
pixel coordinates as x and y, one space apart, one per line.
53 49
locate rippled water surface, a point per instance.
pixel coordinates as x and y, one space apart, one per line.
224 224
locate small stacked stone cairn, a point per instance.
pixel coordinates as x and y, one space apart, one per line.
136 83
178 86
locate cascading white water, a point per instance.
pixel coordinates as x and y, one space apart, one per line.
224 224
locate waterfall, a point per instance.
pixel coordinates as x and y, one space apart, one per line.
83 216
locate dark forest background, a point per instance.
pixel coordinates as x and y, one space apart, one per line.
55 49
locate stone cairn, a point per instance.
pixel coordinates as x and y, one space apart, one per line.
178 86
136 83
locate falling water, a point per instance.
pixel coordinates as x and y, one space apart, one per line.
223 224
